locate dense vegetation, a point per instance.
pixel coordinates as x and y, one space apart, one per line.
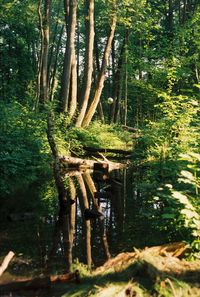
140 69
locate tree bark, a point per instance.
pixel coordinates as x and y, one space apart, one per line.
66 75
88 61
73 100
53 76
90 113
45 44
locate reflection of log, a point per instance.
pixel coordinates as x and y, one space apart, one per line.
6 261
80 163
37 283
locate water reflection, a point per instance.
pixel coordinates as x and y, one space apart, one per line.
96 203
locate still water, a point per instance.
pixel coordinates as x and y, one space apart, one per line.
108 214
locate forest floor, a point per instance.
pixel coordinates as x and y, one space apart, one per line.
155 271
159 271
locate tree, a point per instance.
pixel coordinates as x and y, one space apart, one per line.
70 13
92 108
88 61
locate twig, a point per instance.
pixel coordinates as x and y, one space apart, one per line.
6 261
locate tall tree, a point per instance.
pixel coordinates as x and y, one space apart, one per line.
45 30
92 108
70 13
88 60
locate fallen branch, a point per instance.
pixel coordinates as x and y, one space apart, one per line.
107 150
39 282
6 261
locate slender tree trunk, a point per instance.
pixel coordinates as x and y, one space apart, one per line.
66 76
52 48
88 61
126 91
39 64
44 70
170 19
73 99
53 76
96 50
116 84
90 113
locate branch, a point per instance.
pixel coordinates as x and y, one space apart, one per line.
6 261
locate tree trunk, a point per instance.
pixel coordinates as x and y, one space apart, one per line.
88 61
66 75
116 84
39 63
52 48
90 113
73 100
97 70
53 76
45 45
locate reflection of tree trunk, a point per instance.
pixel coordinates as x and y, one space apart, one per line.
87 230
92 189
87 177
66 240
66 212
72 217
62 193
55 242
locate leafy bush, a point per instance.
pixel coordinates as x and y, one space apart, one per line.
24 150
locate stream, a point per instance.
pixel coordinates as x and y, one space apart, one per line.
52 243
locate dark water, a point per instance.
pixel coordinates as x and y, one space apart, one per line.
51 243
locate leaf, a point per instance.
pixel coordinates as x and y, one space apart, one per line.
187 174
168 216
190 213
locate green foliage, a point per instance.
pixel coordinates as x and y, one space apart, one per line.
175 132
24 152
96 135
177 203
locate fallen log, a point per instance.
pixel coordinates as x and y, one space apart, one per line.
6 261
107 150
128 128
39 282
80 163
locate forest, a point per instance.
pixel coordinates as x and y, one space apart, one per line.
100 147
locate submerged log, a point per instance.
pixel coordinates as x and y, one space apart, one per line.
39 282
